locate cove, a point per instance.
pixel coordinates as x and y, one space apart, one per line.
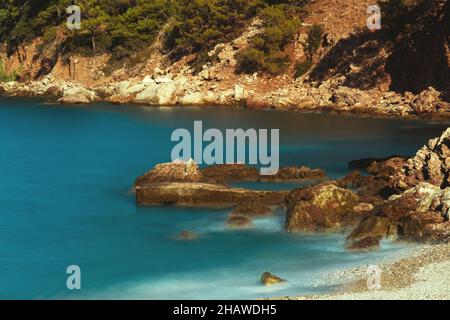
65 180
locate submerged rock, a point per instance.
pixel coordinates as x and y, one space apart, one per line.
239 222
186 235
268 279
252 209
364 245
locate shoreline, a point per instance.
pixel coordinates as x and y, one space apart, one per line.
420 273
374 114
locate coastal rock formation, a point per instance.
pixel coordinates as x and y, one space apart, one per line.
418 214
194 194
77 95
294 174
430 164
205 187
268 279
177 171
319 207
225 173
74 99
364 245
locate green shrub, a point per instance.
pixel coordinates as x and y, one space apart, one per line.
276 63
266 49
314 40
250 60
302 67
6 77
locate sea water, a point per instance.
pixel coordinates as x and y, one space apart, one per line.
66 175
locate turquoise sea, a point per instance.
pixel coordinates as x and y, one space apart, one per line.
65 180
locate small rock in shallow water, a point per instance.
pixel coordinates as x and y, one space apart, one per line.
186 235
239 222
365 244
251 209
268 279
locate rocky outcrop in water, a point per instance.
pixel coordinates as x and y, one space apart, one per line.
319 208
182 183
268 279
176 171
181 171
197 194
418 214
239 222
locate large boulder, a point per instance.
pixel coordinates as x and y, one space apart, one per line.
165 94
371 226
74 99
318 207
192 99
78 95
148 94
426 101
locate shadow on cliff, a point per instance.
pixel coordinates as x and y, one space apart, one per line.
410 53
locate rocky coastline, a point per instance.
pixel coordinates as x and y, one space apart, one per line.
401 199
328 97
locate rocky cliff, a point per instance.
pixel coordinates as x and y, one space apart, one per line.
399 71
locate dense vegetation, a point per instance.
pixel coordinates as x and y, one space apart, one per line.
122 26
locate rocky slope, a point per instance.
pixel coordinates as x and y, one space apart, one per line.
354 70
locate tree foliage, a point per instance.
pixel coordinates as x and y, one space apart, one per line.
124 26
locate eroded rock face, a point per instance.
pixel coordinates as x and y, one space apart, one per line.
74 99
418 214
177 171
223 173
268 279
295 174
430 164
427 101
370 227
251 209
319 207
197 194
